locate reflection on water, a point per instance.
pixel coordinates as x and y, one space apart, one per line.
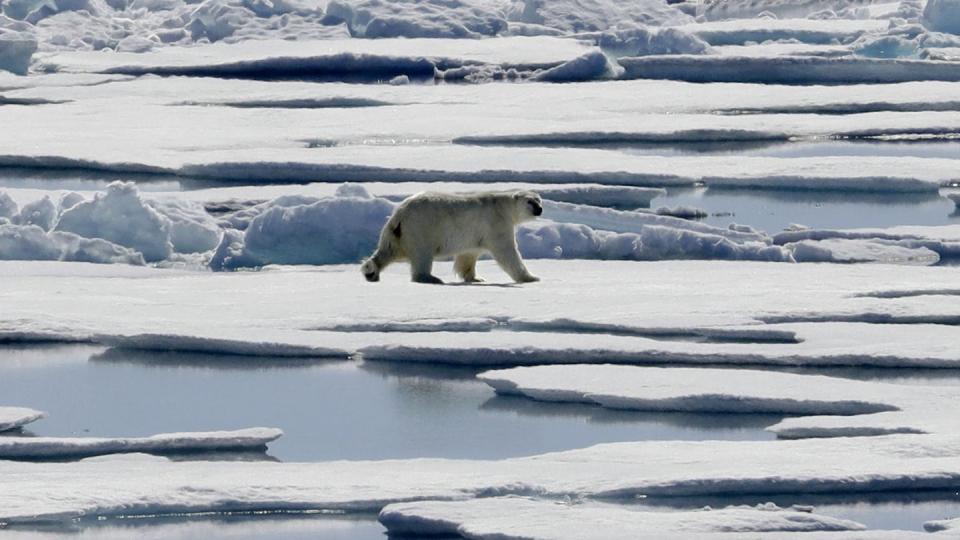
213 527
894 510
774 211
328 410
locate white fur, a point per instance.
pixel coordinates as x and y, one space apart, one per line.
460 225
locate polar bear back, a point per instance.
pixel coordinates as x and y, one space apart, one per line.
451 223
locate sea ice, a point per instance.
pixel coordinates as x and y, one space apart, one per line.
60 447
16 50
364 58
55 492
839 250
121 217
114 310
516 518
17 417
416 19
942 16
825 406
807 70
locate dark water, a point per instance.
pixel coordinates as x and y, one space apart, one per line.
773 211
328 410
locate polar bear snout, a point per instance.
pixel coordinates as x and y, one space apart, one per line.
370 271
535 208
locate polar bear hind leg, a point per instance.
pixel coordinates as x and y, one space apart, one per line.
466 266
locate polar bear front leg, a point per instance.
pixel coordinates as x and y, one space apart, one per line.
508 257
421 269
466 267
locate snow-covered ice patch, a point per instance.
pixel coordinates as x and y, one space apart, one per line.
17 417
516 518
56 492
839 250
741 31
594 15
827 406
942 525
79 302
368 59
805 70
430 19
74 447
897 244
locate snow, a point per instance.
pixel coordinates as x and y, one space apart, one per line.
73 447
823 406
336 144
942 525
363 58
739 32
329 231
45 492
591 66
917 244
839 250
526 518
577 325
431 18
16 51
17 417
745 9
942 16
42 213
594 15
120 216
788 69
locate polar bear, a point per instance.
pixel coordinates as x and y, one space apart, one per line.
462 225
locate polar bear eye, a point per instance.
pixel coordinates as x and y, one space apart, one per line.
535 207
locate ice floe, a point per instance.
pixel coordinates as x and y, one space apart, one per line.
879 245
825 406
37 448
45 492
788 69
720 306
942 525
526 518
365 59
17 417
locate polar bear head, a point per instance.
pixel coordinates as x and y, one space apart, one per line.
528 207
370 270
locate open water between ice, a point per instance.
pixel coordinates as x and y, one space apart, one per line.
350 410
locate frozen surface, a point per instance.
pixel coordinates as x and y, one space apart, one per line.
110 486
60 447
16 417
827 406
118 306
365 58
947 525
322 139
524 518
738 32
780 69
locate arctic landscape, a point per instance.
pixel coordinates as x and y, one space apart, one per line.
745 225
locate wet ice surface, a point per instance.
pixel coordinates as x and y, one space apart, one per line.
328 410
773 211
